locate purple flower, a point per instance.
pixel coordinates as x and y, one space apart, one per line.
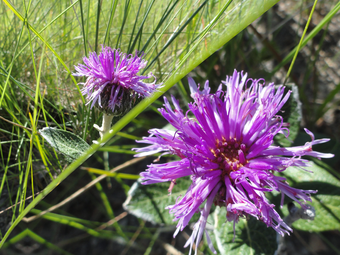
112 81
225 142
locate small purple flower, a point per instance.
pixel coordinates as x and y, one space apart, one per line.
227 149
112 81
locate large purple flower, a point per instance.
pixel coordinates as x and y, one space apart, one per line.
225 143
112 81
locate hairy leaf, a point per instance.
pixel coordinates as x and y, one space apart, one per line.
148 202
326 202
251 237
291 113
65 142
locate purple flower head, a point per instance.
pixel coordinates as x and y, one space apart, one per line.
227 149
112 82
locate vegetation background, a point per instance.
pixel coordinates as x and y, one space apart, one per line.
40 43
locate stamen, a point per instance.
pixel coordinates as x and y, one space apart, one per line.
235 166
243 147
172 185
241 157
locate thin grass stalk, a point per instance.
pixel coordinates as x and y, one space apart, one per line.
163 18
83 26
21 175
97 25
300 43
23 89
46 43
158 39
88 223
34 120
87 21
108 207
126 13
173 37
140 27
11 66
134 26
310 36
29 233
4 175
44 28
108 26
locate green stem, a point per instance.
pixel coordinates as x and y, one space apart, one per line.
300 43
309 37
106 125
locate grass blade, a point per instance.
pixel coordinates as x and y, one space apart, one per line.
46 43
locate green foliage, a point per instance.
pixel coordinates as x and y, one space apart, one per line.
65 142
148 202
326 202
291 113
29 233
251 236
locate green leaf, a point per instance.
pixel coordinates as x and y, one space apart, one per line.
292 114
65 142
326 202
251 237
148 202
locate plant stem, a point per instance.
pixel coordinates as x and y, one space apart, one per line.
106 125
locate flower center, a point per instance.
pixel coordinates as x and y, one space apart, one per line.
230 156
